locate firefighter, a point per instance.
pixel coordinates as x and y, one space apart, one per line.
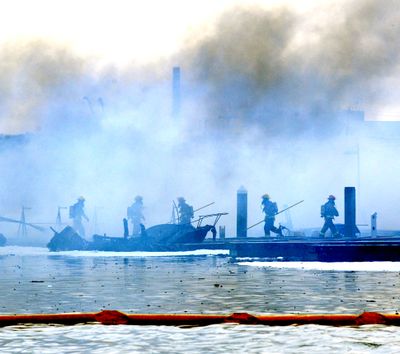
270 209
135 215
185 211
329 212
76 213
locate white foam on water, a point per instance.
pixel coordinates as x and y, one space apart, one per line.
330 266
41 251
204 252
23 251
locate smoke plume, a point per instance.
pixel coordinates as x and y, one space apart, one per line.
289 73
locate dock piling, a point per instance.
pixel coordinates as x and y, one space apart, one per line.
350 212
241 216
374 231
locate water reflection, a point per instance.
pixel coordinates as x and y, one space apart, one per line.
198 284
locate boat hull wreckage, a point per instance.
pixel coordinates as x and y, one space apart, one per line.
158 238
173 236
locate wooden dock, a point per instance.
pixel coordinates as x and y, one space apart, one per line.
309 249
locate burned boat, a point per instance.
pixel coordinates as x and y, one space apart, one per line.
158 238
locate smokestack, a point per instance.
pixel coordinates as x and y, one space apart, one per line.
241 216
176 91
350 211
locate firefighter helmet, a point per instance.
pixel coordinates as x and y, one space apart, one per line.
265 196
138 198
332 197
181 199
81 199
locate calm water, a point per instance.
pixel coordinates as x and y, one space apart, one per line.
36 281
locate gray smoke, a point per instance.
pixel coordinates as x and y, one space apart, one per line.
283 72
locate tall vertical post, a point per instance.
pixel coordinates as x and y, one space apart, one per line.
374 231
241 216
176 91
350 211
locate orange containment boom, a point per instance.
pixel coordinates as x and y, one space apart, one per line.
116 318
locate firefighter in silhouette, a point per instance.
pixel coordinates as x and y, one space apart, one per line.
270 209
135 215
329 212
185 211
76 213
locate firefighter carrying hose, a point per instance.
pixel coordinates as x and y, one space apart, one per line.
135 215
270 209
76 213
185 211
329 212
